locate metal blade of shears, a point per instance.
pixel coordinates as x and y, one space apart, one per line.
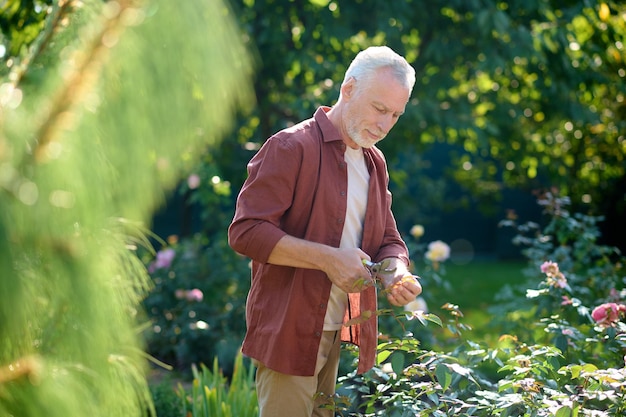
376 268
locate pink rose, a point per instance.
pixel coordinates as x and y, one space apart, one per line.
193 181
194 295
608 313
555 277
550 268
163 259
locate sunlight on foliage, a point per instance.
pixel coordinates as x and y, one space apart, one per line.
95 115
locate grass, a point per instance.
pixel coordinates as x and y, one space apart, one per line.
473 287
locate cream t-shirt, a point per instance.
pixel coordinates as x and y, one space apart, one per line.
358 185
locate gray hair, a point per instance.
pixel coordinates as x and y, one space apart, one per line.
369 60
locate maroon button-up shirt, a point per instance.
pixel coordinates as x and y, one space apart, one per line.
297 185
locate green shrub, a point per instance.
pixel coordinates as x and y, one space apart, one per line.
197 305
560 350
561 353
167 403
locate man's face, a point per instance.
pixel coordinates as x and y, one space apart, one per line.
374 108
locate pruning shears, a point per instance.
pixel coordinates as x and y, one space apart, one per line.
376 268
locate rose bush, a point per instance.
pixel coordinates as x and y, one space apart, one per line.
196 307
560 353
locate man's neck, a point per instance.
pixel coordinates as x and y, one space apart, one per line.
334 115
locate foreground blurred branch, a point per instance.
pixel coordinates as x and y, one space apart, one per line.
58 17
83 74
27 367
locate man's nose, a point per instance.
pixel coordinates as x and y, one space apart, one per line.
385 123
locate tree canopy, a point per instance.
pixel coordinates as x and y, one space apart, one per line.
527 93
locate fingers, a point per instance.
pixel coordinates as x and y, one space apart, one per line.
361 281
355 283
347 271
404 291
361 284
364 278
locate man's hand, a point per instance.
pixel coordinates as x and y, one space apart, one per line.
404 290
343 266
401 286
345 269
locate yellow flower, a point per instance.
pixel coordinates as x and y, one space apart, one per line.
604 12
417 231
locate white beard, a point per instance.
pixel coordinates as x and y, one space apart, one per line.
359 139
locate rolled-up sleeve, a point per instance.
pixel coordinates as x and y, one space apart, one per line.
264 197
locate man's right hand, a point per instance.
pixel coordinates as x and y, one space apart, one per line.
345 269
344 266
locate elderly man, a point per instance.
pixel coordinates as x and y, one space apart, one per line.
313 211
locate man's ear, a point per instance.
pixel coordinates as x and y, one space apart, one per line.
348 87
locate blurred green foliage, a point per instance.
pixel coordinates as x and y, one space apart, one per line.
100 115
197 305
21 22
594 274
166 401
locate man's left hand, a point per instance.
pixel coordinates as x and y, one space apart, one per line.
402 287
404 290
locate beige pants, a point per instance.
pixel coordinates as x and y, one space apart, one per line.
283 395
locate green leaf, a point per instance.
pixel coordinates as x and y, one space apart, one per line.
575 370
424 318
444 376
589 367
382 356
561 342
397 362
564 412
433 319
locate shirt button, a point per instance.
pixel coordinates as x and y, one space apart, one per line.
339 221
318 334
322 305
343 193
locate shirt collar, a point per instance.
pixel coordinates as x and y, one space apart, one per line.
329 132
